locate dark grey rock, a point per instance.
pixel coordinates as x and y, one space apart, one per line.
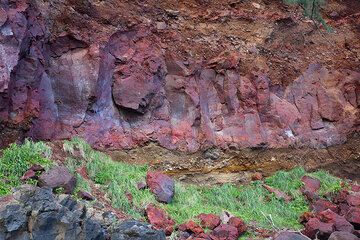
134 230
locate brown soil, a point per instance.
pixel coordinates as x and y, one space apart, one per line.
216 166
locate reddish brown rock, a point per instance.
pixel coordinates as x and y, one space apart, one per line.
341 197
29 174
191 227
353 199
161 185
340 223
257 176
306 216
159 219
342 236
322 205
37 168
314 227
353 216
310 184
85 195
226 232
58 177
355 188
209 221
239 224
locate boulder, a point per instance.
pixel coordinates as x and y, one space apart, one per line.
133 230
340 223
239 224
161 185
159 219
353 199
290 236
314 227
58 177
225 231
342 236
353 216
191 227
209 221
310 184
322 205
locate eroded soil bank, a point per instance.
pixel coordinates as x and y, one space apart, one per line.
217 166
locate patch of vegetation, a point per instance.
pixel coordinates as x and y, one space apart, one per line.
17 159
312 9
250 202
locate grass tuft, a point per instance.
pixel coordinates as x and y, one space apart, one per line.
16 159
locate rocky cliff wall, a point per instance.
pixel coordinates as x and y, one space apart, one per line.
187 75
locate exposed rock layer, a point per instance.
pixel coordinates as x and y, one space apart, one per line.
123 78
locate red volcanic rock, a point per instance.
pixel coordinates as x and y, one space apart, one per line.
29 174
355 188
209 221
306 216
225 231
161 185
37 168
257 176
159 219
85 195
340 223
341 197
130 86
342 236
353 199
58 177
353 216
239 224
191 227
322 205
314 227
310 184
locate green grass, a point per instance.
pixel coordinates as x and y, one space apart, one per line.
16 159
250 202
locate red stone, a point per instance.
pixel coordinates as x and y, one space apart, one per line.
209 221
279 194
322 204
226 232
340 223
310 184
355 188
315 226
257 176
306 216
191 227
239 224
37 168
85 195
290 236
159 219
353 199
353 216
29 174
341 197
58 177
161 185
141 185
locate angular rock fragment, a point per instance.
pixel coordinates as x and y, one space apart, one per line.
159 219
161 185
209 221
58 177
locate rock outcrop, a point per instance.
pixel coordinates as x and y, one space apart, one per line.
68 68
36 213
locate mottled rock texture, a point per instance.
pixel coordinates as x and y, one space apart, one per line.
105 72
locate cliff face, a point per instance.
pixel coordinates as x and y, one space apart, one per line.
185 74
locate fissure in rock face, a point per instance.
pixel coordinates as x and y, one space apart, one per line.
115 79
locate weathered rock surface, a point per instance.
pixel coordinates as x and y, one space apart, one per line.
161 185
36 213
290 236
68 68
159 219
58 177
